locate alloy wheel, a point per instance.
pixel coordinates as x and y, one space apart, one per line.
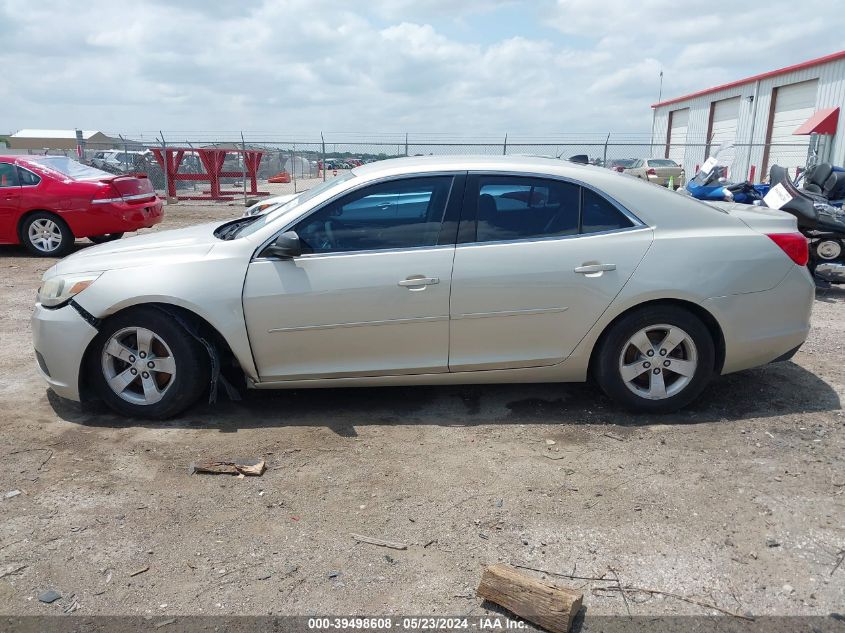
658 361
138 365
45 235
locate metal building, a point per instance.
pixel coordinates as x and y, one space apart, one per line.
772 118
57 139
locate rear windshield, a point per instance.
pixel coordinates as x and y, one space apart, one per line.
660 162
70 168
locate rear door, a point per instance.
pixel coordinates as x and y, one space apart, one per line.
538 261
10 200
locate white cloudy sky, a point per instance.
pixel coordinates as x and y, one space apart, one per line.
463 67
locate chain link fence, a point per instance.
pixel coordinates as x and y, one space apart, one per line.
294 164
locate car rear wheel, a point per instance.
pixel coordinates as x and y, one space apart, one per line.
656 360
144 364
46 235
108 237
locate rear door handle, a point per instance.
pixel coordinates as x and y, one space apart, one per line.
419 281
594 268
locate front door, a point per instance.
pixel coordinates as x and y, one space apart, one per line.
542 262
370 294
10 199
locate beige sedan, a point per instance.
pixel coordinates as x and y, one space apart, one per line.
657 171
433 271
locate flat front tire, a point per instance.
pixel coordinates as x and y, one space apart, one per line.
144 364
656 359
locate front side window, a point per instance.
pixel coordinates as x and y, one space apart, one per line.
397 214
515 207
8 175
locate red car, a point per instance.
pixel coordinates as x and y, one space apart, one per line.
48 201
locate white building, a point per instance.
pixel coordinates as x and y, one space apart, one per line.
761 115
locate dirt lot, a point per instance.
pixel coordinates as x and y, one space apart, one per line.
738 502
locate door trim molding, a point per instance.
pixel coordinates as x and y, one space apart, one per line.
508 313
332 326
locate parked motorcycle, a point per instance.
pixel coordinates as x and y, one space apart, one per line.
710 182
819 221
824 180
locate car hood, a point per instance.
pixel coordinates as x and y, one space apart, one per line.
176 245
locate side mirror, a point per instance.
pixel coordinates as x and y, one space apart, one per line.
285 246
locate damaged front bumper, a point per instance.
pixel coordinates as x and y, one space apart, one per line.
61 336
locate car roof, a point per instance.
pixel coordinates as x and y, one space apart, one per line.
413 164
655 205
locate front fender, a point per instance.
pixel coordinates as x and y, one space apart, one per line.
210 289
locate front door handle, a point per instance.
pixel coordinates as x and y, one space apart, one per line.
594 268
419 280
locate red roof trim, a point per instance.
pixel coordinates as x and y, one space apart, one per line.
822 122
772 73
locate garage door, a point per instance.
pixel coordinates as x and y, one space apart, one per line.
725 117
676 145
794 104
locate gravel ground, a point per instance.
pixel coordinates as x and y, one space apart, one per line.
736 502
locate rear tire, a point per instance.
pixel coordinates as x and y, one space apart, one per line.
46 235
144 364
102 239
656 359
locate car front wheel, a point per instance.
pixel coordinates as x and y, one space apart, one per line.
656 360
144 364
46 235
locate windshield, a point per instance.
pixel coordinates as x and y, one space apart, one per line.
305 196
717 165
71 168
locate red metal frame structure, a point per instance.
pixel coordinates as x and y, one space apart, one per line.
212 160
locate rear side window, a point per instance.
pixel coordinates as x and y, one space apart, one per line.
27 178
8 175
598 214
515 207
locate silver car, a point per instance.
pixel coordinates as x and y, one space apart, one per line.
422 271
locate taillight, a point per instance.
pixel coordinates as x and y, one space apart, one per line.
651 172
620 169
106 194
794 245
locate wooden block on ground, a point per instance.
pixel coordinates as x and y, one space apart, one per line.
547 605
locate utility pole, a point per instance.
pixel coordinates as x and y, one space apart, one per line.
654 115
